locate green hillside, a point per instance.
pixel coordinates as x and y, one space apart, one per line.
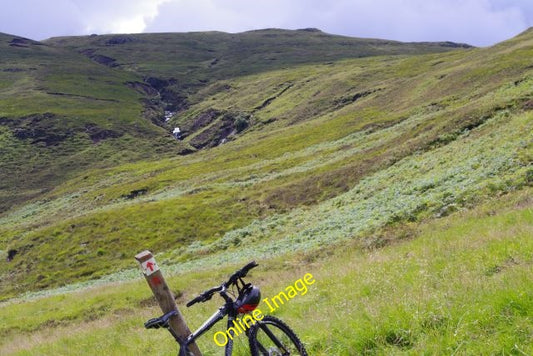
60 114
296 145
77 103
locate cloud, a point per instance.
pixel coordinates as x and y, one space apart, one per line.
473 21
42 19
479 22
233 16
39 20
117 16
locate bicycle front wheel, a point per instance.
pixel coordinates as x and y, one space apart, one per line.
272 337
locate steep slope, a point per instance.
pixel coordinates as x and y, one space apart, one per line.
61 113
331 151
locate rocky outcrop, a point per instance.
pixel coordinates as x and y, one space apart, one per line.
99 58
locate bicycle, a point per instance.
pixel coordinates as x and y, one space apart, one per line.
268 336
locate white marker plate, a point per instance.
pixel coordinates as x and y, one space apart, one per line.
149 267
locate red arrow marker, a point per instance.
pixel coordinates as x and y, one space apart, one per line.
150 265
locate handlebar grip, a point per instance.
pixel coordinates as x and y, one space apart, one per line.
248 267
241 273
194 301
205 296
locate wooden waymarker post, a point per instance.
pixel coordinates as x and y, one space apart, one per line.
164 297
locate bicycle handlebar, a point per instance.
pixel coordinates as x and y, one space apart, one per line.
206 295
240 273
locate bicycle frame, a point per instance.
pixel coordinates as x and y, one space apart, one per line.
220 314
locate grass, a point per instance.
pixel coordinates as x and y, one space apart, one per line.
399 177
113 124
456 285
190 57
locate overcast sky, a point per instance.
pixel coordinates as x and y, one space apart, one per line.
477 22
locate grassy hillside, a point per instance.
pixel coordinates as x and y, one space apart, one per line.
60 114
394 138
394 172
77 103
193 59
178 65
458 285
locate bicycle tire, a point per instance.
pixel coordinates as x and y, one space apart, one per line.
285 340
228 350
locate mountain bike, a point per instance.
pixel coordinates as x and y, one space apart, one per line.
267 335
